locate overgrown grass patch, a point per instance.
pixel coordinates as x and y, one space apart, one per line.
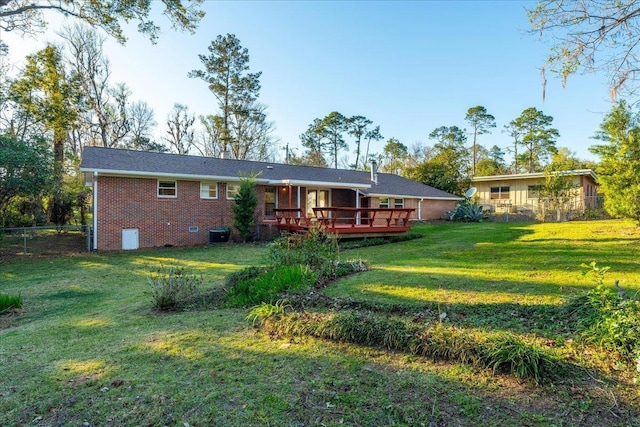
266 286
502 352
173 287
10 303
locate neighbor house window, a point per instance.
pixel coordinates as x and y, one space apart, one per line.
398 203
533 191
208 190
269 201
384 202
167 189
232 190
499 193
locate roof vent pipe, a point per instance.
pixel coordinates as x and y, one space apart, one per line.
374 171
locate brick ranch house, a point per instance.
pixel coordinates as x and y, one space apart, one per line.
145 199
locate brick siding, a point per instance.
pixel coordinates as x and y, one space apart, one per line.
436 209
125 203
133 203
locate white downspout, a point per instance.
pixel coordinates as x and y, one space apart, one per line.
299 202
420 209
95 211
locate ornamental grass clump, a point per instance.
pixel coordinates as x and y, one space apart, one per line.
509 354
10 303
173 288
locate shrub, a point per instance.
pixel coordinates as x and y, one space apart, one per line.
466 211
173 288
607 316
264 288
244 209
315 249
10 303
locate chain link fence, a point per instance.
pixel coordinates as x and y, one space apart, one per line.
45 240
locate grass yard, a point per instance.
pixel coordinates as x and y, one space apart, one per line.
87 349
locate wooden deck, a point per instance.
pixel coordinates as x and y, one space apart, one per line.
348 222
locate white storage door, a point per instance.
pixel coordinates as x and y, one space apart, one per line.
130 239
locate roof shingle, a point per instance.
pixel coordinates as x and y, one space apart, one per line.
143 163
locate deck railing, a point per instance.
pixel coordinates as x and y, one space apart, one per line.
347 219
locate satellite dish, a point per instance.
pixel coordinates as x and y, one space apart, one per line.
470 192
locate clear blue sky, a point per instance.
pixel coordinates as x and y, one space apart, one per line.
408 66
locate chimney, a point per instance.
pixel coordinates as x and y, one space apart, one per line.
374 171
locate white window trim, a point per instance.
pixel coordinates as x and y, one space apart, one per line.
500 192
395 202
227 190
208 185
388 203
164 196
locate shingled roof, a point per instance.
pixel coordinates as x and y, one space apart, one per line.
117 162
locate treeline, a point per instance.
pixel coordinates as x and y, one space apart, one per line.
64 99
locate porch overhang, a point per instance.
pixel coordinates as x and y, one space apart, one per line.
325 184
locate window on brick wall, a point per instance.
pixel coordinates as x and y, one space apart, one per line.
384 202
208 190
269 201
167 189
398 203
232 190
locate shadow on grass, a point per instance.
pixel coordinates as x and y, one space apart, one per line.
543 320
210 376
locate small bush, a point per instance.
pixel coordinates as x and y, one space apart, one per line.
265 287
607 316
315 249
173 288
10 303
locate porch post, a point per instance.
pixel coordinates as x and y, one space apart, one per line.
359 214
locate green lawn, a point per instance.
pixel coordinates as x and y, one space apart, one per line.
87 348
